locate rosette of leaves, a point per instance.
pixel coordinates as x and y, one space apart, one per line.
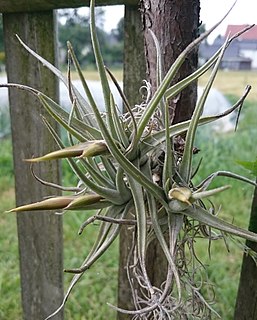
116 159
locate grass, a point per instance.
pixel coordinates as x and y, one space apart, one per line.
91 74
88 301
233 82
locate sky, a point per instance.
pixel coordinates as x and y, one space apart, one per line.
244 12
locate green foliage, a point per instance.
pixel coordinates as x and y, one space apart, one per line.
249 165
6 164
118 33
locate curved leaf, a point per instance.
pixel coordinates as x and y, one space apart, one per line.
198 213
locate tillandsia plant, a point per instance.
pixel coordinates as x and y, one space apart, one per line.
128 163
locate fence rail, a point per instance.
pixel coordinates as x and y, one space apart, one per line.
7 6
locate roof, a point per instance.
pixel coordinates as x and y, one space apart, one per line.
206 50
237 59
248 35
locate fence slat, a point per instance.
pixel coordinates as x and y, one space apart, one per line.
42 5
40 233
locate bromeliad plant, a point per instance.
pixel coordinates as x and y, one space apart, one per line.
117 161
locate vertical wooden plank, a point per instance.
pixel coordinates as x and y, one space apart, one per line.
246 301
134 68
134 73
40 233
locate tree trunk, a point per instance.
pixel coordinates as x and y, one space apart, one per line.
134 73
175 24
246 303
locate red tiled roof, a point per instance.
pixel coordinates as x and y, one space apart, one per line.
248 35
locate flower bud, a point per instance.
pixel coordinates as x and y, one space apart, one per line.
48 204
82 150
83 201
180 193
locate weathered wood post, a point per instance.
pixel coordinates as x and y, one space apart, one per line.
246 302
133 75
39 234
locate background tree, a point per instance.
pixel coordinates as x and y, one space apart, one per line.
74 27
118 32
113 47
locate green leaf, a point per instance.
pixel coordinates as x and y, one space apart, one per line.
58 73
249 165
198 213
110 194
75 127
86 149
152 141
101 69
106 236
185 169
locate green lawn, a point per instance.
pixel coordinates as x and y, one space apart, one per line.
89 298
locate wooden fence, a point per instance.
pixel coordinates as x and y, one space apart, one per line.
40 235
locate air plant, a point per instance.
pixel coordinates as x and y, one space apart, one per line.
114 157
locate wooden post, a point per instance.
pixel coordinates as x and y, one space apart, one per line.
40 233
43 5
161 17
246 302
134 73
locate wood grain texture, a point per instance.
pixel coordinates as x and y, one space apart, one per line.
134 73
246 302
43 5
39 233
175 24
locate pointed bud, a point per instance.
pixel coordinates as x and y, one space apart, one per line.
83 201
96 148
82 150
48 204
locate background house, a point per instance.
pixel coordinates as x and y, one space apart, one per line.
240 55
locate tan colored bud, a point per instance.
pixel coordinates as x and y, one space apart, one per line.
82 150
83 201
48 204
96 148
180 193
